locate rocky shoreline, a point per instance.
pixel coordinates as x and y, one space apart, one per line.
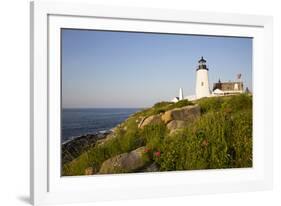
76 146
136 160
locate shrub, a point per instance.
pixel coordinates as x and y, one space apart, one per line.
181 103
240 141
237 102
161 107
210 104
201 145
153 135
218 139
161 104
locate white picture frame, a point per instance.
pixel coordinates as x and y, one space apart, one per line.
47 186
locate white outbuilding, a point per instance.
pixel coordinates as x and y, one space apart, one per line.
180 97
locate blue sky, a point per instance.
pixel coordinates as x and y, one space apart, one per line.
126 69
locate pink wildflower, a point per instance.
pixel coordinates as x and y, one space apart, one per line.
157 154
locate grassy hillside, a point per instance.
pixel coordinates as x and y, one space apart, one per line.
220 138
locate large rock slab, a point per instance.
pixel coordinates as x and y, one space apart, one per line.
186 113
126 162
75 147
176 125
153 119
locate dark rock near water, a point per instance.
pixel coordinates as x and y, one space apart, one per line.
110 136
74 148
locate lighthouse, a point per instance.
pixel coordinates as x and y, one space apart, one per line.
202 80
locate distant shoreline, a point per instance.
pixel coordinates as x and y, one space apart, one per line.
77 122
102 132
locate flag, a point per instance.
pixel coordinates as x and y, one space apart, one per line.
239 76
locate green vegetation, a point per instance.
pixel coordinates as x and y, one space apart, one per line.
220 138
214 141
161 107
154 135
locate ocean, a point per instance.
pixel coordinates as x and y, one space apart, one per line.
77 122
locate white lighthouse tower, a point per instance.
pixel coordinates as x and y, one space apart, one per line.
202 80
